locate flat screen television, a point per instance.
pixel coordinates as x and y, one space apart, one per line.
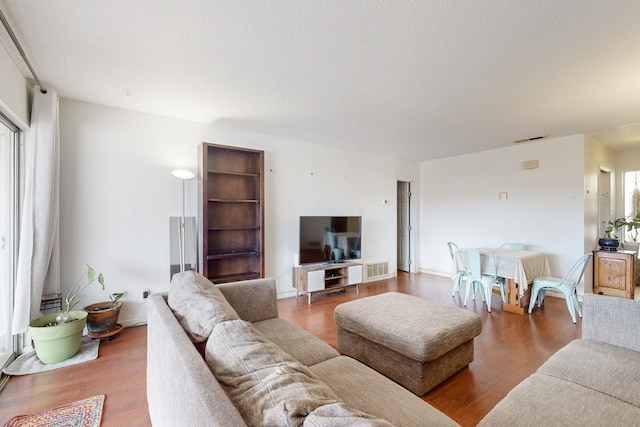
327 239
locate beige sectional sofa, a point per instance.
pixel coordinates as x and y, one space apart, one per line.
593 381
267 370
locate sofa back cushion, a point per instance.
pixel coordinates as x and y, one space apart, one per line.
198 305
254 300
611 320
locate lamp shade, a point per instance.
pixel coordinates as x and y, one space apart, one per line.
183 174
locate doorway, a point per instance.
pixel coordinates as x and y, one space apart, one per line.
404 226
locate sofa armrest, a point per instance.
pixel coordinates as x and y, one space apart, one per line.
611 320
181 389
254 300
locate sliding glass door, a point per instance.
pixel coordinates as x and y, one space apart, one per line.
9 193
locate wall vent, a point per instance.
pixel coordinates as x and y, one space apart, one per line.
376 271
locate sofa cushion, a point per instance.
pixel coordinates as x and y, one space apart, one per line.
300 344
542 400
198 304
266 384
363 389
609 369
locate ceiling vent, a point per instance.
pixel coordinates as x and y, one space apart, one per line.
535 138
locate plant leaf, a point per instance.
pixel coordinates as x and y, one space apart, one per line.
91 273
116 296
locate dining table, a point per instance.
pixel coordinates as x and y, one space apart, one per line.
518 268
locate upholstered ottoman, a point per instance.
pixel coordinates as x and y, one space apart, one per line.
415 342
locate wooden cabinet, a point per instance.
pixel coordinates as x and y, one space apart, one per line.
231 189
614 273
326 278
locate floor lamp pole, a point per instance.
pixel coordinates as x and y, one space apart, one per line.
183 175
182 231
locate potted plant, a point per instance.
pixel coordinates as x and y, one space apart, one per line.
633 224
58 336
102 319
610 240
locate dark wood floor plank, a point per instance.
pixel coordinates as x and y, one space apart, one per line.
509 349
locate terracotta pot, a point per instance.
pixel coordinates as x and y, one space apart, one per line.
102 316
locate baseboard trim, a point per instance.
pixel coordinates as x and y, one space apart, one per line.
130 323
435 273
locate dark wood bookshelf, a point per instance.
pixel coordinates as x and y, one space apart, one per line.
231 188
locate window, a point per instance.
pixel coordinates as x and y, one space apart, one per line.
9 194
631 201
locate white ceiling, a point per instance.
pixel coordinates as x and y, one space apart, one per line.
417 79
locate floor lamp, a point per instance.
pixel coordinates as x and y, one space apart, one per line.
184 175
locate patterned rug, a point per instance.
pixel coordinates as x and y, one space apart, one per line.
84 413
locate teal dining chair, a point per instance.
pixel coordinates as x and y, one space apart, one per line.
513 246
460 273
477 278
567 285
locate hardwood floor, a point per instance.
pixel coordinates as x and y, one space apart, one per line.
119 373
509 349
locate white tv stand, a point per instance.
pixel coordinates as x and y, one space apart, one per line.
321 278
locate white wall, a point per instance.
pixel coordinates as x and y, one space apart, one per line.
459 202
117 195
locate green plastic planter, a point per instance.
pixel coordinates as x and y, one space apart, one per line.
57 343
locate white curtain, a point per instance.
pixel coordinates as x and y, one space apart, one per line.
38 254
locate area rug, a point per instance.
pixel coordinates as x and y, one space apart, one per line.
83 413
29 363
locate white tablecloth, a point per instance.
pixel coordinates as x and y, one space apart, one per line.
521 266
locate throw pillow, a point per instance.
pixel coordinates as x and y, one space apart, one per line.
198 305
260 378
271 388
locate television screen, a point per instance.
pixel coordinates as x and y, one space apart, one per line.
329 238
